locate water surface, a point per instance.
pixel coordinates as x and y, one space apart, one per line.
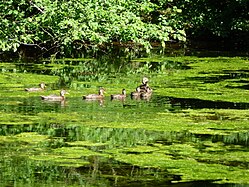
193 131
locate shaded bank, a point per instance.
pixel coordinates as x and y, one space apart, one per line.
204 47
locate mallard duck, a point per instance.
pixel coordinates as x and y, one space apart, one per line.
144 87
95 96
147 93
136 93
119 96
143 91
60 97
42 87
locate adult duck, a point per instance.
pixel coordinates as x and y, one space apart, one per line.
41 88
95 96
60 97
144 86
119 96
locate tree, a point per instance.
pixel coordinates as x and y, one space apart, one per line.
65 25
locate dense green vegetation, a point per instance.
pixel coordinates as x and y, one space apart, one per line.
67 26
221 18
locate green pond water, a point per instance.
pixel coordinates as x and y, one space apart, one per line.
193 131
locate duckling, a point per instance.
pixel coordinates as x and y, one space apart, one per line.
42 87
143 87
60 97
95 96
119 96
147 93
136 94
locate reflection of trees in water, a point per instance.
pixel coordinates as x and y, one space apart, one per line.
239 138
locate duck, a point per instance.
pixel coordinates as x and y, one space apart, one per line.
147 93
95 96
143 91
119 96
136 93
60 97
41 88
144 86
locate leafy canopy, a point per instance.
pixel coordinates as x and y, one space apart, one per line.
93 23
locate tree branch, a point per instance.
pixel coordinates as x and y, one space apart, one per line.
38 8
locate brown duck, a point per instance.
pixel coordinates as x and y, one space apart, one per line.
41 88
119 96
144 87
146 93
136 93
95 96
60 97
143 91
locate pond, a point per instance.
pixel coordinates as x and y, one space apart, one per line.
193 131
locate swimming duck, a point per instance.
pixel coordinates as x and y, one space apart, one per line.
60 97
119 96
144 87
143 91
136 93
42 87
95 96
147 93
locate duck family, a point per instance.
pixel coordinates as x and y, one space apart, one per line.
143 91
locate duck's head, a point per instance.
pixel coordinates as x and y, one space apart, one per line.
42 85
63 92
124 92
101 91
145 80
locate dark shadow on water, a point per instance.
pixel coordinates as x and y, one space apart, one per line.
184 184
199 104
223 75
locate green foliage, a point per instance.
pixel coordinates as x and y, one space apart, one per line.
220 18
76 24
68 26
